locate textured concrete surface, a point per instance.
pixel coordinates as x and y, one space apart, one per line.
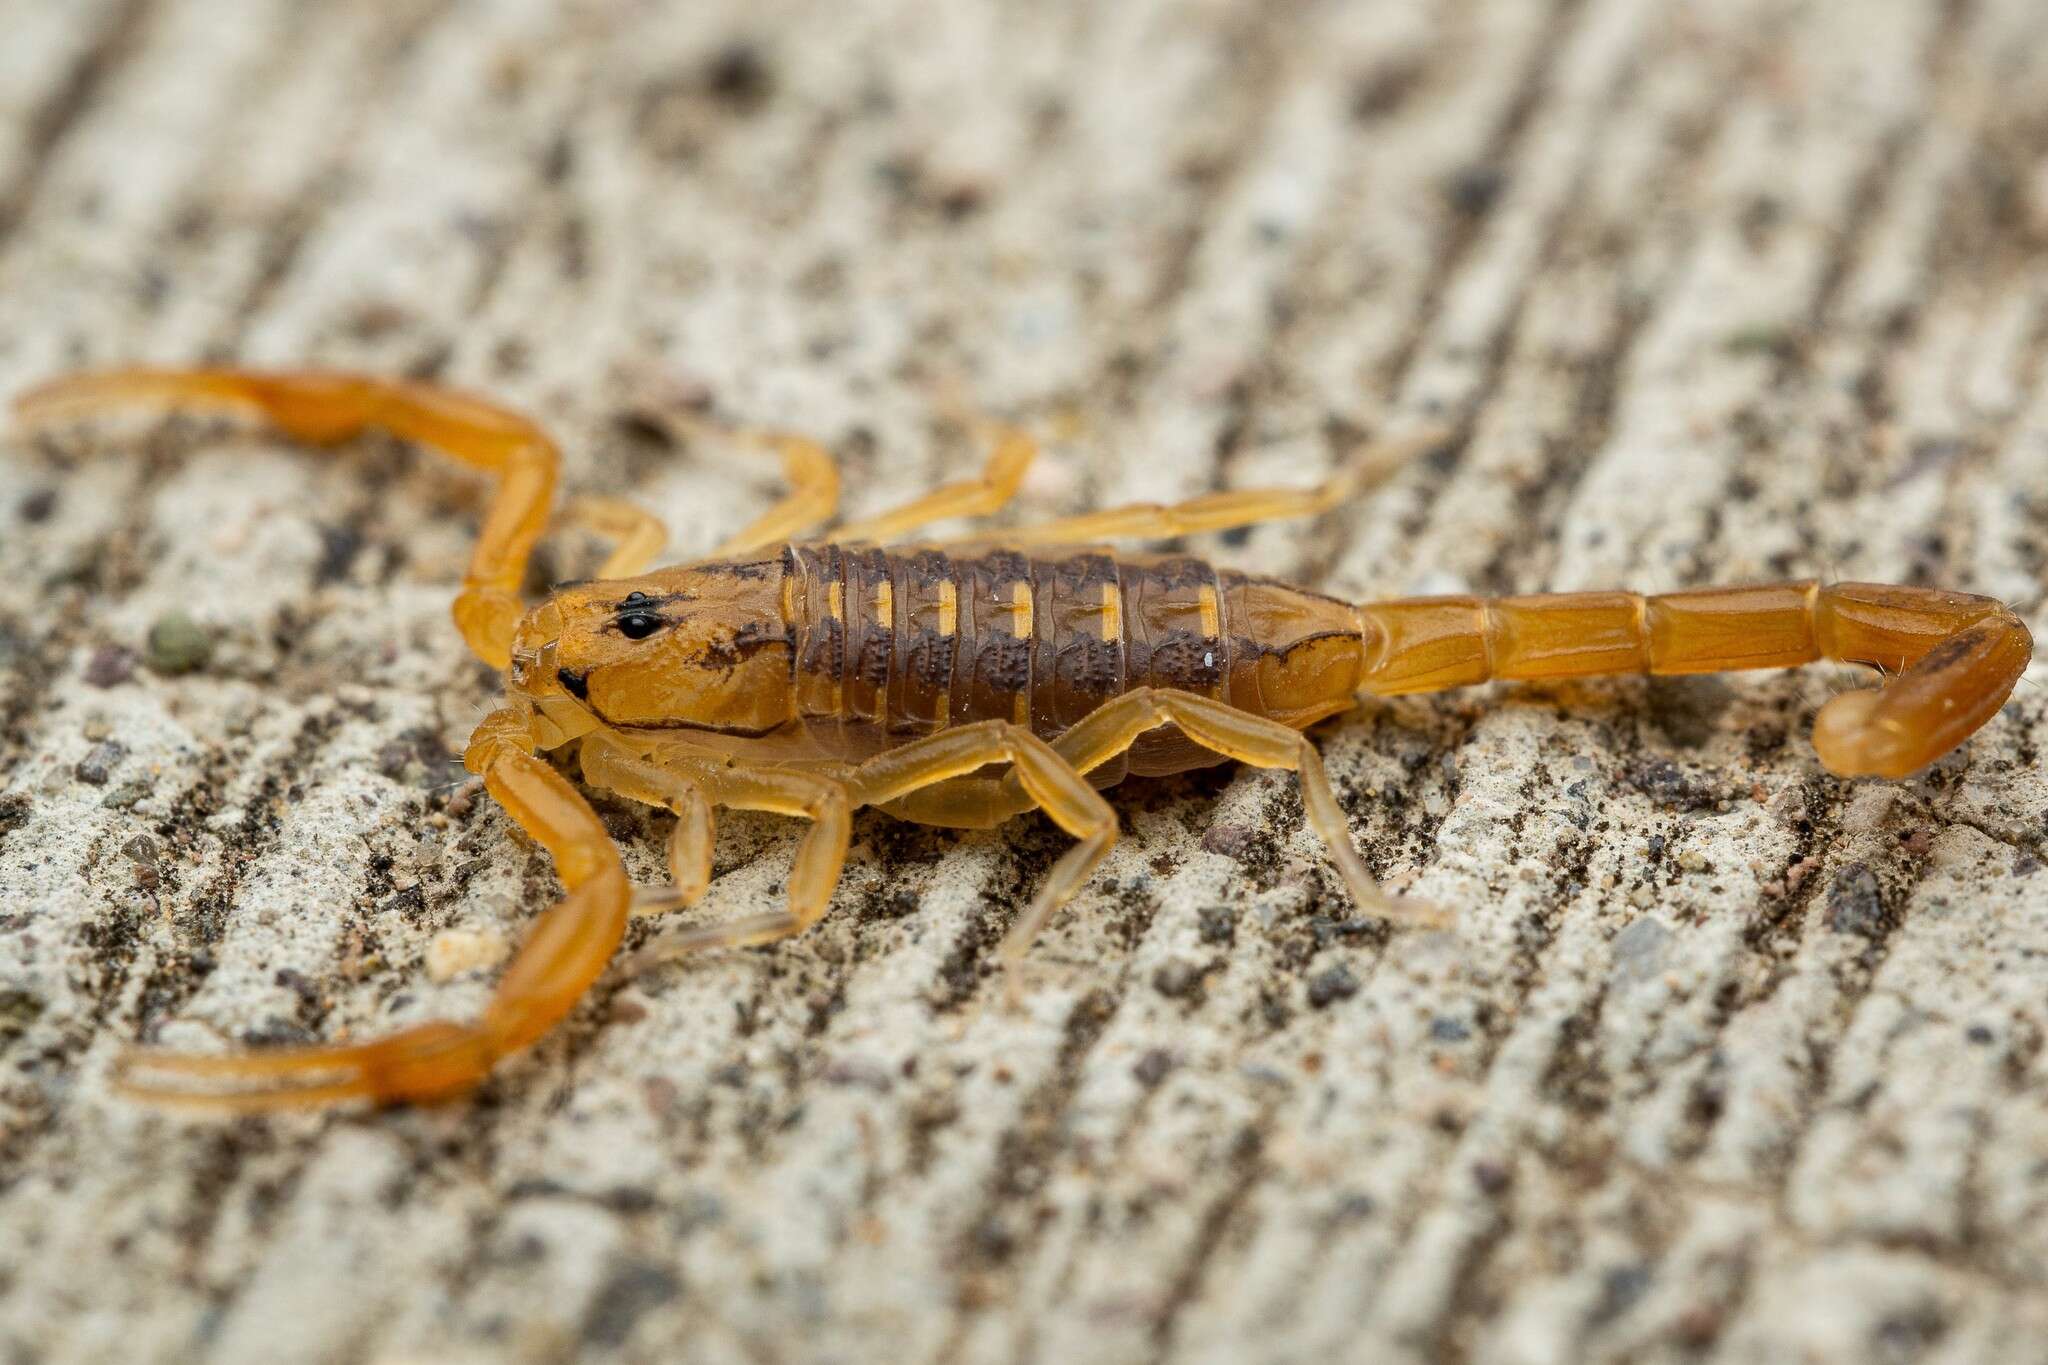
1731 1061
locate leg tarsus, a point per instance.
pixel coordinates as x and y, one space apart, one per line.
1250 739
1227 510
637 535
820 859
1042 774
1013 454
610 766
813 496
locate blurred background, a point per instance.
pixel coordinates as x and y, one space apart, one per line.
1733 1061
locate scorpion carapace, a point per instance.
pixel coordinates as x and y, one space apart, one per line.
964 683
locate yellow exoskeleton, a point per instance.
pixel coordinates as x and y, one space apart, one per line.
964 683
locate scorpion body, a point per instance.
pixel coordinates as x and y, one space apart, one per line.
964 683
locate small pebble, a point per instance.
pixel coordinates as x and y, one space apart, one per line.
98 764
178 644
127 796
1639 950
110 666
1233 841
141 853
455 951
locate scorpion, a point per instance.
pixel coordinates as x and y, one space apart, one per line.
961 683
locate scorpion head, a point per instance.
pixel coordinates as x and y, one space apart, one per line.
702 647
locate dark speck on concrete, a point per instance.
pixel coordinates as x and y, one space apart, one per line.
127 796
339 546
739 77
634 1288
1330 985
110 666
1474 190
1856 902
1445 1029
1620 1287
1669 785
18 1010
1219 923
1688 710
1490 1176
1151 1068
37 506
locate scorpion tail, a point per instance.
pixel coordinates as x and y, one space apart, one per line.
1952 658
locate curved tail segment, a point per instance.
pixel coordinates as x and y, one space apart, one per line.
324 407
1952 658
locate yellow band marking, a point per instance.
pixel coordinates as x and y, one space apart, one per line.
1020 713
949 608
1112 614
835 600
885 604
1021 610
1212 613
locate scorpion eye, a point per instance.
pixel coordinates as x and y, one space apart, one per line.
638 625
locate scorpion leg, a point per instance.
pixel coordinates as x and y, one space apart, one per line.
1222 511
1046 778
637 535
824 801
565 952
962 803
813 495
324 407
611 766
1254 740
1014 451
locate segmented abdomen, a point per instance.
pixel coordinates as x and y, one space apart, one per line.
891 645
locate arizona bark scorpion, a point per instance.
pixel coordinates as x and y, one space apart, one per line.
962 683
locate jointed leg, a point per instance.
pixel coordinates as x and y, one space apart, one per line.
1250 739
1222 511
611 766
963 803
783 791
1045 777
971 498
812 498
325 407
567 949
637 535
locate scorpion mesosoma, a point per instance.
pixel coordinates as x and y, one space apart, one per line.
962 683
